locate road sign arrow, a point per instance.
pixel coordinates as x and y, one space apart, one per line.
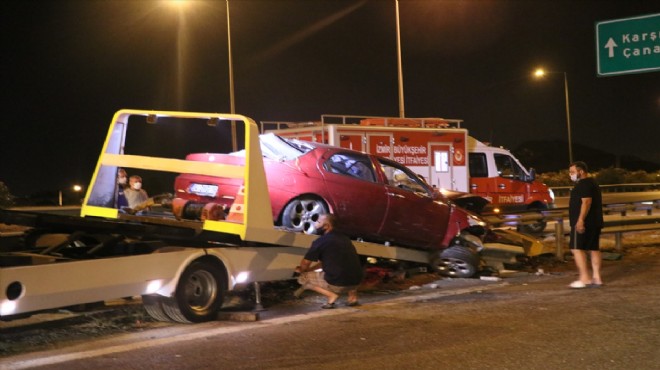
610 45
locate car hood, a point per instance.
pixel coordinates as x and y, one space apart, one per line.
468 201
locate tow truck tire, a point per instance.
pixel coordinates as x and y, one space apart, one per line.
301 213
457 262
153 304
199 293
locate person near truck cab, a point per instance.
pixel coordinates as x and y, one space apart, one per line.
122 184
134 193
335 254
585 211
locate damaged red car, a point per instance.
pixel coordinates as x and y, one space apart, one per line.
376 199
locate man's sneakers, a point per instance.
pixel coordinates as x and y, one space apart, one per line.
577 284
333 305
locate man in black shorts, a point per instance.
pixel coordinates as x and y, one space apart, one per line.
336 255
585 210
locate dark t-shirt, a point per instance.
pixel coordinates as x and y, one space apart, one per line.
586 188
339 259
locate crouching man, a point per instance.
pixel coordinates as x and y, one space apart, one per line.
335 254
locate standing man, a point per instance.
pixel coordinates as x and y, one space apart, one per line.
336 255
585 212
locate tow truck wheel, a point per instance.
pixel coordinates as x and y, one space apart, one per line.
456 261
301 213
199 293
153 304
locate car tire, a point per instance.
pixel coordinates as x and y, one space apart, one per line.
199 293
301 213
457 261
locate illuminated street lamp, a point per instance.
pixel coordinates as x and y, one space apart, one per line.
76 188
540 73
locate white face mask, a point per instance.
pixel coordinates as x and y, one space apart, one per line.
121 181
574 177
137 185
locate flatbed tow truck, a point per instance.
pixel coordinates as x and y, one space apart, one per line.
181 266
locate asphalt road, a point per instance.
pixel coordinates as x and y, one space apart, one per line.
521 322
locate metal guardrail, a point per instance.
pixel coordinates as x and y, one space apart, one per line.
615 226
561 191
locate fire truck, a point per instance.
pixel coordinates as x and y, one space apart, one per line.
437 149
181 258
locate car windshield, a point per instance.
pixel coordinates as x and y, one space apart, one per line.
280 149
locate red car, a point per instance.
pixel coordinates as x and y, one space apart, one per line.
375 198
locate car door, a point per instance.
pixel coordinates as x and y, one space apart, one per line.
413 218
356 192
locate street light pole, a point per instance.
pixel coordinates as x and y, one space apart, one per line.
568 121
402 112
539 73
232 109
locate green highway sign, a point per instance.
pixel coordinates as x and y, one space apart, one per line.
630 45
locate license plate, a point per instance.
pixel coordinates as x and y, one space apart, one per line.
203 190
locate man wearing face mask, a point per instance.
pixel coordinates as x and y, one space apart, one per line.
335 254
134 193
122 183
585 211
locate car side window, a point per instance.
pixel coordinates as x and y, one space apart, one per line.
350 164
478 165
401 177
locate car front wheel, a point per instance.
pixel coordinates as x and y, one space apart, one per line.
457 261
301 214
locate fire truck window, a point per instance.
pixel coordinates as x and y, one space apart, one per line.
441 159
351 165
478 165
507 167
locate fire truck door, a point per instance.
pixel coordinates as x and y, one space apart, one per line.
380 145
441 170
480 182
510 188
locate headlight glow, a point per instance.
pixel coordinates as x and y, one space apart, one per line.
242 277
7 308
153 286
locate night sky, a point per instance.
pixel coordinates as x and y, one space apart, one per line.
67 66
